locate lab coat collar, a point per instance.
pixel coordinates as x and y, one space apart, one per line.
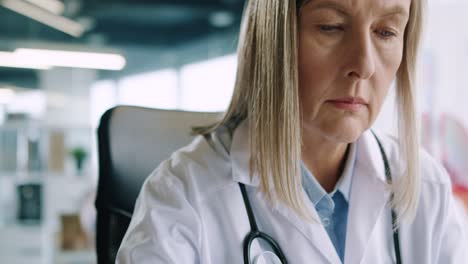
369 156
240 156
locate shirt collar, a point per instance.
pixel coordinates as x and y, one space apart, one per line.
316 192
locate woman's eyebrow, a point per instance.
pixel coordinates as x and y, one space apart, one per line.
392 11
396 11
330 5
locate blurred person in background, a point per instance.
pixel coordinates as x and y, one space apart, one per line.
293 173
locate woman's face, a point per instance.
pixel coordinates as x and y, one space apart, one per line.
349 54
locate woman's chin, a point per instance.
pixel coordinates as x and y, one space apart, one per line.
344 132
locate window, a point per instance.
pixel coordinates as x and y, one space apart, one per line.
208 85
156 89
103 95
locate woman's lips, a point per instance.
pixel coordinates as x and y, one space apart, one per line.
353 104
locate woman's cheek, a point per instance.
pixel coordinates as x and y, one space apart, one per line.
392 58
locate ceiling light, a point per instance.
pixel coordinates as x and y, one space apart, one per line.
74 59
61 23
53 6
9 59
221 19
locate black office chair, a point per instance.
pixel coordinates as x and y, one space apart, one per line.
132 141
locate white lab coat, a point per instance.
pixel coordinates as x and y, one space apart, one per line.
190 210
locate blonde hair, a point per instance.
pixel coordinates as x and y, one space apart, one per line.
266 94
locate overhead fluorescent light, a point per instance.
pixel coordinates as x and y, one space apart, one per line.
9 59
74 59
43 59
53 6
61 23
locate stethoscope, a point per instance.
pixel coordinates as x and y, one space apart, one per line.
255 233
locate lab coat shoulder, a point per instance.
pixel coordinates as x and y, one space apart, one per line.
438 223
166 225
198 168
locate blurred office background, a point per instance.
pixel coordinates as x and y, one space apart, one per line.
170 54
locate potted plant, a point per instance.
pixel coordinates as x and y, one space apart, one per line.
79 154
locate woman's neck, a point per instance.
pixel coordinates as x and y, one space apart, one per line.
325 159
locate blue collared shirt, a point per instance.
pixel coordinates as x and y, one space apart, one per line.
332 208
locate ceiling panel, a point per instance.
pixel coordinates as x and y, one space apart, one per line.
125 23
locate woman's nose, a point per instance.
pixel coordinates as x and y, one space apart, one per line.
361 58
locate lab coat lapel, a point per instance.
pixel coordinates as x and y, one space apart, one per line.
369 195
313 231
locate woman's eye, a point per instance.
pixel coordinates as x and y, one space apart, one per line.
386 33
330 28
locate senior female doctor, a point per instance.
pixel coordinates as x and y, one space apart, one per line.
293 173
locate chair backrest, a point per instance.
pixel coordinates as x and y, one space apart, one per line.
132 141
